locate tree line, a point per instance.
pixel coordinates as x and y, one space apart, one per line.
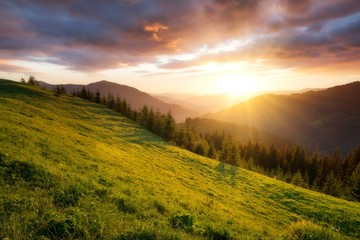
159 123
331 174
31 81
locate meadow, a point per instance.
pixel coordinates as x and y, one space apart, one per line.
72 169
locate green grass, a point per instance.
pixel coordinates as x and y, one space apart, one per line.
71 169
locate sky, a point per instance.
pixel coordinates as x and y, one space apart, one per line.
188 46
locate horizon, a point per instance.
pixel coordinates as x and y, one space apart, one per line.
238 47
254 94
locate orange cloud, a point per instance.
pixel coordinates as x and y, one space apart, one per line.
174 44
7 66
154 29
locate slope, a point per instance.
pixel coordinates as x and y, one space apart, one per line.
133 96
324 120
72 169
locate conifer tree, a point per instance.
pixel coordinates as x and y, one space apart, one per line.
32 81
355 183
181 138
297 179
144 116
332 186
97 98
83 93
151 119
225 154
57 91
110 100
169 129
212 153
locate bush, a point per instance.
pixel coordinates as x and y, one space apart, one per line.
308 231
102 193
69 196
217 233
104 182
28 173
10 206
159 207
185 222
140 234
63 228
2 158
124 206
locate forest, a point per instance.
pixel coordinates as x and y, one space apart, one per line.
331 174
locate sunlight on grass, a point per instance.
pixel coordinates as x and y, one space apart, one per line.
79 170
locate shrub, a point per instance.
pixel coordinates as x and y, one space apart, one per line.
139 234
69 196
159 207
185 222
102 192
217 233
9 206
28 173
104 182
2 158
66 228
308 231
124 206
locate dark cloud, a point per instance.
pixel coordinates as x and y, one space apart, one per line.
320 11
296 6
94 35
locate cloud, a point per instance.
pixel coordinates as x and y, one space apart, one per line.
100 35
154 29
5 67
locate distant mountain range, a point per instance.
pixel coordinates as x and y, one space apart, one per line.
319 119
200 103
204 104
134 97
324 119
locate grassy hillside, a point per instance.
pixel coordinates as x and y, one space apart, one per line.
72 169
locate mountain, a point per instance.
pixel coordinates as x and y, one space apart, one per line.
242 132
325 119
136 98
204 104
72 169
200 103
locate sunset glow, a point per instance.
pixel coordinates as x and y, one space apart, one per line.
238 84
235 46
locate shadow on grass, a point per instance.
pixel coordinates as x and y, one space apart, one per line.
13 171
225 172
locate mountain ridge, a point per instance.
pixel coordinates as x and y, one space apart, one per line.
308 118
136 98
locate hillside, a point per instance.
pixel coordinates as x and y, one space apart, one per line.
325 119
136 98
71 169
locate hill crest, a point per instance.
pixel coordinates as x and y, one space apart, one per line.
137 99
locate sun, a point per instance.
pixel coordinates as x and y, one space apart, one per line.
239 84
